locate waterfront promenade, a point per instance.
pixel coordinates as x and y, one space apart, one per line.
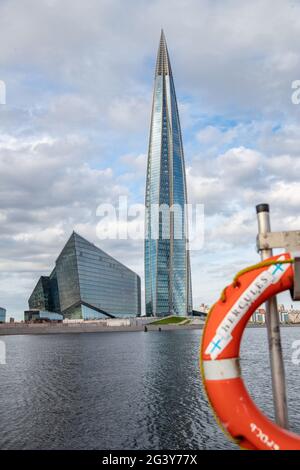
91 327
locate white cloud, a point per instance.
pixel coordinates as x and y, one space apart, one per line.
239 164
212 135
127 114
136 162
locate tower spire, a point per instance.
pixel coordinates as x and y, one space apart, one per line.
163 66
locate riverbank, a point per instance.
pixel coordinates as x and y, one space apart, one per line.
58 328
8 329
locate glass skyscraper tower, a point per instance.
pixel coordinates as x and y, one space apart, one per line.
167 262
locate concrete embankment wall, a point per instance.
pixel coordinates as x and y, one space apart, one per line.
42 328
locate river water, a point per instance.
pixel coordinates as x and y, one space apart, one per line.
124 390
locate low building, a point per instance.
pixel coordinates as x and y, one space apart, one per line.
197 313
204 308
294 316
283 316
2 315
42 315
258 316
88 284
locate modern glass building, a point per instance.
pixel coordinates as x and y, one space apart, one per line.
87 283
167 262
2 315
40 315
41 297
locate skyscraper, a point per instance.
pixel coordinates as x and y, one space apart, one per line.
167 262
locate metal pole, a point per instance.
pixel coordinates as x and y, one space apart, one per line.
273 329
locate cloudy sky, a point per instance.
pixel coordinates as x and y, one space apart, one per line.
74 131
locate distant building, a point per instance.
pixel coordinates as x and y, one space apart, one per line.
258 316
204 308
87 283
2 315
41 315
294 316
285 316
199 313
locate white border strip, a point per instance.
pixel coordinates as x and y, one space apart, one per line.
222 369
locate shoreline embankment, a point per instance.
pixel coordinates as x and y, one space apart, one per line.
7 329
62 328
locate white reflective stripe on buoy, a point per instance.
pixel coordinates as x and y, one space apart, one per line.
222 369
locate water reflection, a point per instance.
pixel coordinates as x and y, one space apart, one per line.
123 390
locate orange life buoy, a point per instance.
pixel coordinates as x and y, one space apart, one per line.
219 356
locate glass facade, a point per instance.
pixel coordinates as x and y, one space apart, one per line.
35 315
54 291
67 275
167 261
41 297
87 283
2 315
